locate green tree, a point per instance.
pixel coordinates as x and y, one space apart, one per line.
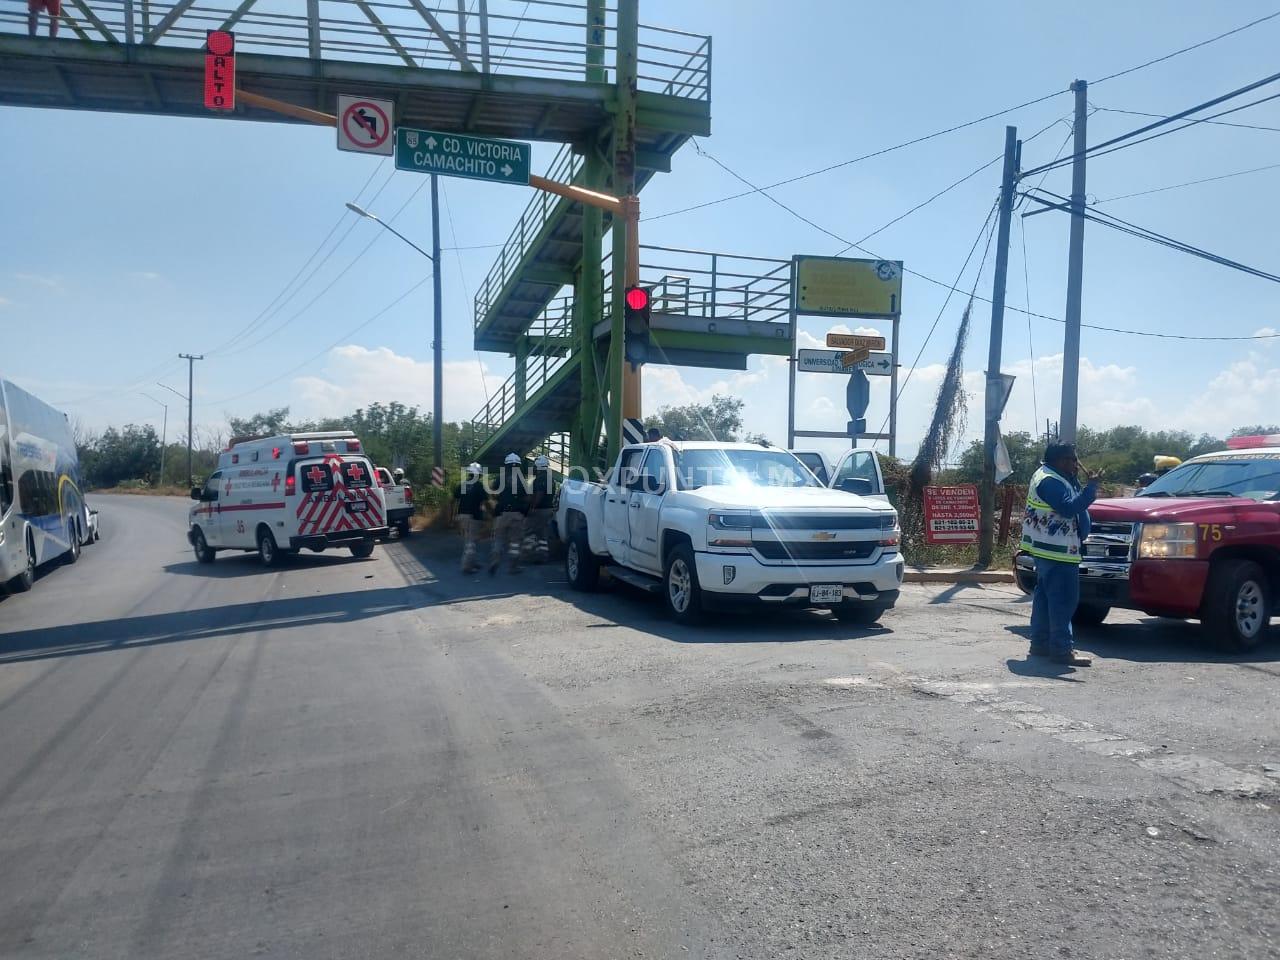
1024 456
720 419
1254 430
267 424
132 453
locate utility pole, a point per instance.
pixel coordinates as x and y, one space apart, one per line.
191 379
1075 273
164 431
995 386
437 345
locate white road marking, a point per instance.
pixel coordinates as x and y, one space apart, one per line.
1201 774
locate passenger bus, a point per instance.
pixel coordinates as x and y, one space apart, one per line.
43 515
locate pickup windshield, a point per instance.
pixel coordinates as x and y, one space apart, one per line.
757 468
1256 477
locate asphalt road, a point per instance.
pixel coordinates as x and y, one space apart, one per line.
381 758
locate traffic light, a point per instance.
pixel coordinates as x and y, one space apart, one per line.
636 330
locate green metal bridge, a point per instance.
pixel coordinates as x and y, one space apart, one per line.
620 96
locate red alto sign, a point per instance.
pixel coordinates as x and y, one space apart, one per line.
951 514
220 70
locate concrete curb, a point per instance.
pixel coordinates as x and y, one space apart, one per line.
961 575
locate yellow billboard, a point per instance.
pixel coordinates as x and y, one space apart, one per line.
847 287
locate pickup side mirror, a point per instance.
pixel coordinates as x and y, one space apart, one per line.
197 493
857 485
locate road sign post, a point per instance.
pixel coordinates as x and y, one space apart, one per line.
459 155
365 125
832 361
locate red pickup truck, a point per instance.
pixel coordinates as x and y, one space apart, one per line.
1200 543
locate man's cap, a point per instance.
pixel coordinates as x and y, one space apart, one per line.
474 469
512 460
1059 451
541 461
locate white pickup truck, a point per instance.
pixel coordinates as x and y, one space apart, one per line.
399 498
725 525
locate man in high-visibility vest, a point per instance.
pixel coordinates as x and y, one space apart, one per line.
1054 526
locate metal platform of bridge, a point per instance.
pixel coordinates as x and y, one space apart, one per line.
512 69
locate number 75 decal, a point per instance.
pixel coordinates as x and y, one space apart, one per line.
1210 531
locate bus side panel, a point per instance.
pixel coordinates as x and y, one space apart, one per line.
46 473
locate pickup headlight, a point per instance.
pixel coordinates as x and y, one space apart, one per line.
731 529
890 532
1167 541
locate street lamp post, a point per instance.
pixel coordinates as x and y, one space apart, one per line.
437 346
187 398
164 432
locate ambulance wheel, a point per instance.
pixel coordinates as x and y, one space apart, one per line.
362 550
204 553
268 552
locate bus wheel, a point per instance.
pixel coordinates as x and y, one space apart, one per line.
27 578
73 537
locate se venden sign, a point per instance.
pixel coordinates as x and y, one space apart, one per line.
951 514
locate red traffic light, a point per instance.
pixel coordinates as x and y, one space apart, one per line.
637 298
220 43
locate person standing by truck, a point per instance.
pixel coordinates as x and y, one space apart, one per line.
542 499
509 512
1054 525
469 500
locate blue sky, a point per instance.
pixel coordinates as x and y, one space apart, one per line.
130 239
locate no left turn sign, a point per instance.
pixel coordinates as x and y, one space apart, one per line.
364 125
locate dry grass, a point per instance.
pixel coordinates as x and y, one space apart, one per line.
168 491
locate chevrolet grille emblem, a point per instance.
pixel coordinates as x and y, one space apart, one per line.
824 535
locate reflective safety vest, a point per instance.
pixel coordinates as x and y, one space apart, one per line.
1045 532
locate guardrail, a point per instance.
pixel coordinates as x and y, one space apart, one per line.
564 168
547 354
712 286
547 38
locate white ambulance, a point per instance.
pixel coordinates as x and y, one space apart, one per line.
279 495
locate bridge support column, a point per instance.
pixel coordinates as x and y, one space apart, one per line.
624 383
588 310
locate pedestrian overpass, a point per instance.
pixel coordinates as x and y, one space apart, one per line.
620 95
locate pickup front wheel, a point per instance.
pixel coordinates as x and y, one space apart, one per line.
680 587
580 564
1237 605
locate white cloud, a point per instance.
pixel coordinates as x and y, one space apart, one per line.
145 275
355 376
5 301
52 283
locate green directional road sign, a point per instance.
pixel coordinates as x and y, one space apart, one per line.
457 155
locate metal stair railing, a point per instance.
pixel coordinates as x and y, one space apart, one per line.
544 38
547 354
564 168
711 286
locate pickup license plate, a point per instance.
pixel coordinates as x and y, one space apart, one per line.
826 593
358 506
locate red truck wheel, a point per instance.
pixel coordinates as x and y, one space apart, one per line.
1236 611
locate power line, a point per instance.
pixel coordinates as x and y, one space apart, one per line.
1144 233
1123 141
267 312
1194 46
959 126
1189 183
845 163
315 356
954 289
330 285
1215 123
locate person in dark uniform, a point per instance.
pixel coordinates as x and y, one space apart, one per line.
509 512
542 499
469 500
